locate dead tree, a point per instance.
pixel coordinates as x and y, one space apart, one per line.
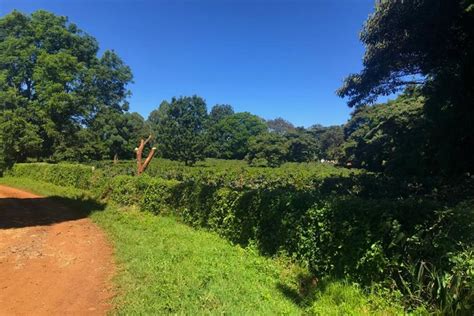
141 167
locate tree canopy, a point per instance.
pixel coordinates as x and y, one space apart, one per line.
389 137
428 44
229 137
180 129
412 42
53 79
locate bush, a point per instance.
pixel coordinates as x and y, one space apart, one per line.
63 174
356 226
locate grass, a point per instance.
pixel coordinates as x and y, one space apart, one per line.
166 267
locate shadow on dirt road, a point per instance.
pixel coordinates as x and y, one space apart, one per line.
35 211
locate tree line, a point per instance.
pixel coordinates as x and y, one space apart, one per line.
185 131
60 100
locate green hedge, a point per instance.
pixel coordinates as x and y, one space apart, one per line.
354 226
150 194
63 174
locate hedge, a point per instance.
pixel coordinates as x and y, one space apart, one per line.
348 226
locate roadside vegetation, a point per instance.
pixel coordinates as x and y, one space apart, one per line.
335 224
168 267
384 203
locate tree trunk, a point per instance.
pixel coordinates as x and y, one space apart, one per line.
141 167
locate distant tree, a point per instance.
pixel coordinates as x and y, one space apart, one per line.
330 141
302 146
118 133
156 117
229 138
430 44
180 132
280 126
267 149
220 111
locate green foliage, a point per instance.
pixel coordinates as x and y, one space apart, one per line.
330 141
339 298
18 138
267 149
229 137
407 43
150 194
302 147
70 175
53 79
360 227
392 56
165 266
220 111
280 126
157 117
389 137
180 130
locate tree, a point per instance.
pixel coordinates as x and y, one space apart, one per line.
18 138
51 71
412 42
156 117
302 146
117 133
180 132
229 138
430 44
220 111
389 137
267 149
330 141
143 165
280 126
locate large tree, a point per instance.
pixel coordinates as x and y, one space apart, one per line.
51 70
220 111
302 146
330 140
427 43
18 138
389 137
267 150
280 126
229 138
180 133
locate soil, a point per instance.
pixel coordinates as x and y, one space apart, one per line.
53 260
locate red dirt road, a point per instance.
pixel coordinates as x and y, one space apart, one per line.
53 260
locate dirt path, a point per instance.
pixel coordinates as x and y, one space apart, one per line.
53 260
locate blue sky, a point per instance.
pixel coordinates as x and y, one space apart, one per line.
272 58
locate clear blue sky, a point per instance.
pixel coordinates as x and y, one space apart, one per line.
271 58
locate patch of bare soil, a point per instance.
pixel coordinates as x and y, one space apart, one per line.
53 260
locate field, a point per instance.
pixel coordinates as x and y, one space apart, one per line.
168 267
348 226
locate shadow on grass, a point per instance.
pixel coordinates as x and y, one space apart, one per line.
303 294
25 212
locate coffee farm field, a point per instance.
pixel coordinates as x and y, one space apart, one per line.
344 225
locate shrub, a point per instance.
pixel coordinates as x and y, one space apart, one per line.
357 226
63 174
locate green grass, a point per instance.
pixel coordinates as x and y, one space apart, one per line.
166 267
